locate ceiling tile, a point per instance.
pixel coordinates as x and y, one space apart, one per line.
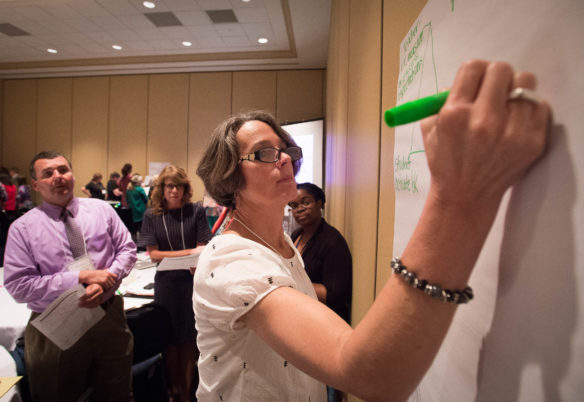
163 19
193 17
34 13
137 46
203 31
214 4
148 33
124 35
101 37
236 41
82 24
89 8
56 39
182 5
10 14
107 22
61 11
135 21
34 28
163 44
212 41
246 15
118 7
229 29
175 32
95 48
258 30
160 6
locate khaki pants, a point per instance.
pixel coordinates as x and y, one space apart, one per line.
101 359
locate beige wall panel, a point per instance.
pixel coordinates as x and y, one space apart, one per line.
54 118
128 122
209 105
300 96
254 90
398 17
168 119
19 124
337 77
363 149
90 129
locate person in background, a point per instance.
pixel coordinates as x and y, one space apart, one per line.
10 202
326 256
4 223
113 194
14 174
137 200
263 334
23 199
123 183
173 226
124 210
94 188
3 196
37 271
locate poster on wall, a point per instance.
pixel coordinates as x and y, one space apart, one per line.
522 337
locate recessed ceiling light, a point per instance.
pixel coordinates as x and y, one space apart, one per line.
148 4
52 50
246 1
187 43
263 40
117 47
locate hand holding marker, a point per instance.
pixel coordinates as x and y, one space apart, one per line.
430 105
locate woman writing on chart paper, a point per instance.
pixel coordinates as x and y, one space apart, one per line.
264 336
175 227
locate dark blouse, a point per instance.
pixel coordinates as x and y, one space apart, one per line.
196 229
95 189
174 289
328 261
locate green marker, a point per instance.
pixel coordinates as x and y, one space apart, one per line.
415 110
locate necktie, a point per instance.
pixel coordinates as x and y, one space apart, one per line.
76 241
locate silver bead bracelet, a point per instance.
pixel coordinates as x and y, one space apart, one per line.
445 295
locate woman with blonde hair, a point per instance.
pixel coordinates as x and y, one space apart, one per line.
173 226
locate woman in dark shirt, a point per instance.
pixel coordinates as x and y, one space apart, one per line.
94 188
175 227
326 256
324 250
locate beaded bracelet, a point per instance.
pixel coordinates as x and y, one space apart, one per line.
445 295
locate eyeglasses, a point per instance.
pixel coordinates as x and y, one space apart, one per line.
171 186
305 202
271 155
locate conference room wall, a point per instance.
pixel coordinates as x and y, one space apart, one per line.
103 122
18 117
362 71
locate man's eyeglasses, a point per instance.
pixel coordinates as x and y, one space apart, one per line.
271 155
172 186
305 202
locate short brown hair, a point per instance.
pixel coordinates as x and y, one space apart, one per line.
219 166
176 175
46 155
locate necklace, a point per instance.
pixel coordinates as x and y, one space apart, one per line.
182 230
258 236
299 245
